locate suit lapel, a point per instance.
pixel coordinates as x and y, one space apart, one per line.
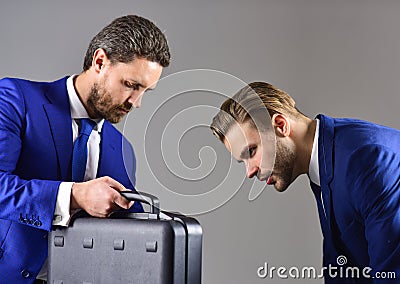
325 159
107 150
60 122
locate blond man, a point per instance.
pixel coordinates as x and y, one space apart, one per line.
353 167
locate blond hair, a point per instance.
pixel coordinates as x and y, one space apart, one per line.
256 97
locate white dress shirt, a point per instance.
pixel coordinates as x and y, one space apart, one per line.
313 168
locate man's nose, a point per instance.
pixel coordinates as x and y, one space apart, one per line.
251 171
136 99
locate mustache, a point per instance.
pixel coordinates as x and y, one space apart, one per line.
126 106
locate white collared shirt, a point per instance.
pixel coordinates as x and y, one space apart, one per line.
313 168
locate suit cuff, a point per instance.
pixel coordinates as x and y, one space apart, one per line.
62 213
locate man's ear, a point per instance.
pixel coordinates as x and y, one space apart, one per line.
281 125
99 60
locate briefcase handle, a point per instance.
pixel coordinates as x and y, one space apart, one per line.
147 198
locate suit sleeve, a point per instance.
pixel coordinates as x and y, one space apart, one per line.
29 202
377 199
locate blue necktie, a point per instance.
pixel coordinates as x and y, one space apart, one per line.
79 155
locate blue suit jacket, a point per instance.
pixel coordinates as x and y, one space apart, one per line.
35 156
359 166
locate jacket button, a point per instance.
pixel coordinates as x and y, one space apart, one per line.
25 273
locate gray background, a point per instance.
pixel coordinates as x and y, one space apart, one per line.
340 58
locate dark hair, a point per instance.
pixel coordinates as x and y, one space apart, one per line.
127 38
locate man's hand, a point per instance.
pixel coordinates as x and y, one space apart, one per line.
99 197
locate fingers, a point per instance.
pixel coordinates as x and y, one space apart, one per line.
114 184
99 197
119 199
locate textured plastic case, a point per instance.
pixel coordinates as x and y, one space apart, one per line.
155 247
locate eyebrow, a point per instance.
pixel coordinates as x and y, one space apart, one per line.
141 85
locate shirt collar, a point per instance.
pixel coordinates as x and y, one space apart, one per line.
313 169
77 109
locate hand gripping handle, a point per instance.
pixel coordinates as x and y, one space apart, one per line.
147 198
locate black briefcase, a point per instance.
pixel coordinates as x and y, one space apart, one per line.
154 247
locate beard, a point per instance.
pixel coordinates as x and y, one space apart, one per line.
284 164
101 104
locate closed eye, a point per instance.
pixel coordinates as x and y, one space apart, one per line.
132 86
248 152
252 151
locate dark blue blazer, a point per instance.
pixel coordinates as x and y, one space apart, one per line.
35 156
359 167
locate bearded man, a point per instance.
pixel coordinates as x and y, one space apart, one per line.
353 167
59 151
